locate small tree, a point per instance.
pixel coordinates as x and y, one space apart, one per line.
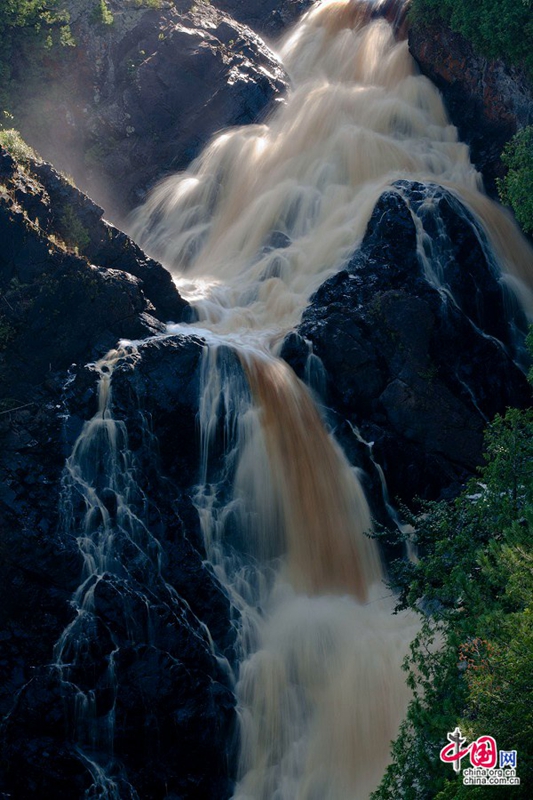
516 189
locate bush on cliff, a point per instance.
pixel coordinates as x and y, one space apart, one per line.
497 28
13 142
29 26
470 665
516 189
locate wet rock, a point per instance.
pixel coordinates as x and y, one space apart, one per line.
417 368
64 302
270 17
158 391
43 764
178 716
295 351
143 651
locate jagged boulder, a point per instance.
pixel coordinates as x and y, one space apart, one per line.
417 365
137 99
71 284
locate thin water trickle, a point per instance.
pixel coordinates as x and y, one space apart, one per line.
105 509
98 500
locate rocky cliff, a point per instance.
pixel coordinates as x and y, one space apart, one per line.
415 364
488 101
115 110
71 287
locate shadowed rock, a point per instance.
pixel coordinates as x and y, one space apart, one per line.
418 368
71 285
138 99
487 100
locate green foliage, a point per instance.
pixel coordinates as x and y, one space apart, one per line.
497 28
73 232
101 14
516 189
29 27
147 3
471 663
31 15
20 13
16 146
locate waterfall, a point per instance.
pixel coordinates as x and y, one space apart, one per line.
269 211
99 499
320 687
324 511
256 224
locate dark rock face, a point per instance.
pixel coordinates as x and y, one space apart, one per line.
81 223
71 283
487 100
270 17
172 704
170 695
138 99
418 368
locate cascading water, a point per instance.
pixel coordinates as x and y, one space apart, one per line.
269 211
320 689
98 476
104 507
262 218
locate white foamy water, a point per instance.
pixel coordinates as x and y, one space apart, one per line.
268 211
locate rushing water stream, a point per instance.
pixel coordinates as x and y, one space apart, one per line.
259 221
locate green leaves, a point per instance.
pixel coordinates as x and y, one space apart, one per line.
516 189
28 27
471 664
26 13
15 144
101 14
499 29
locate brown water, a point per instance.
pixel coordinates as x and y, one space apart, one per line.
324 510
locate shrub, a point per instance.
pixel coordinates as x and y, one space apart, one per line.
497 28
471 664
74 233
516 189
16 146
29 27
101 14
